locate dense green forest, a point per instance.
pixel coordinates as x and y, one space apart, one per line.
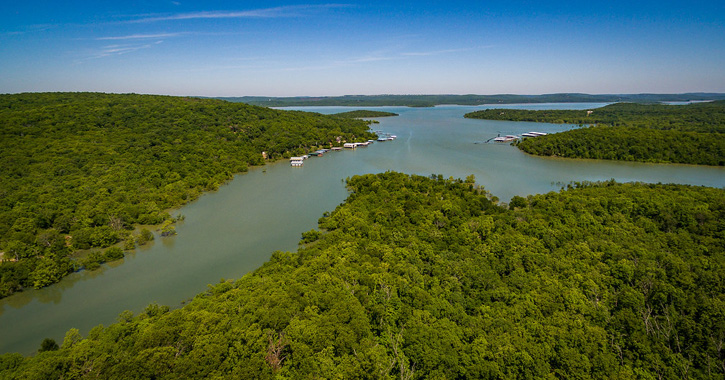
80 170
420 277
695 117
470 100
689 134
359 114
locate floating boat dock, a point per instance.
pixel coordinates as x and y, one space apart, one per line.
299 161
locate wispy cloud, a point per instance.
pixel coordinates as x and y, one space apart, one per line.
246 63
439 52
378 56
30 29
140 36
339 63
276 12
120 49
370 58
383 56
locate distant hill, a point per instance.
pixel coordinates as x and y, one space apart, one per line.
359 114
471 100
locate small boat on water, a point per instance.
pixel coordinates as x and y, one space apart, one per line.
386 137
506 138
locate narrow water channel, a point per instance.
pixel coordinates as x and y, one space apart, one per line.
234 230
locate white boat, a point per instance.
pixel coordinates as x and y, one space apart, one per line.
506 138
533 134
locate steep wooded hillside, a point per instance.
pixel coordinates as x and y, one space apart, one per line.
79 170
419 278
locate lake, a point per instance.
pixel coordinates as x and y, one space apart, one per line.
235 230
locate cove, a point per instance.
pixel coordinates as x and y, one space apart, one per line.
235 230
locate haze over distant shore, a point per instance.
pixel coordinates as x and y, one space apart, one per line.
433 100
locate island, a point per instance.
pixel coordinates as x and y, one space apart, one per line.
425 277
364 114
662 133
81 170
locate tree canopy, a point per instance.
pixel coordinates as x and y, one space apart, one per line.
359 114
470 99
421 277
79 170
689 134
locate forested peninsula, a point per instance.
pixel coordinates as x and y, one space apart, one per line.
80 170
422 277
688 134
359 114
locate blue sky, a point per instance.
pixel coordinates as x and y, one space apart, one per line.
291 48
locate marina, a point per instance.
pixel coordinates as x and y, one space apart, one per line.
299 161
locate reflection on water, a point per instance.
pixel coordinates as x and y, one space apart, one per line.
234 230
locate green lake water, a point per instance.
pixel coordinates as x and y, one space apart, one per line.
233 231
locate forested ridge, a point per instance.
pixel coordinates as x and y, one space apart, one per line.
416 277
689 134
469 99
79 170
